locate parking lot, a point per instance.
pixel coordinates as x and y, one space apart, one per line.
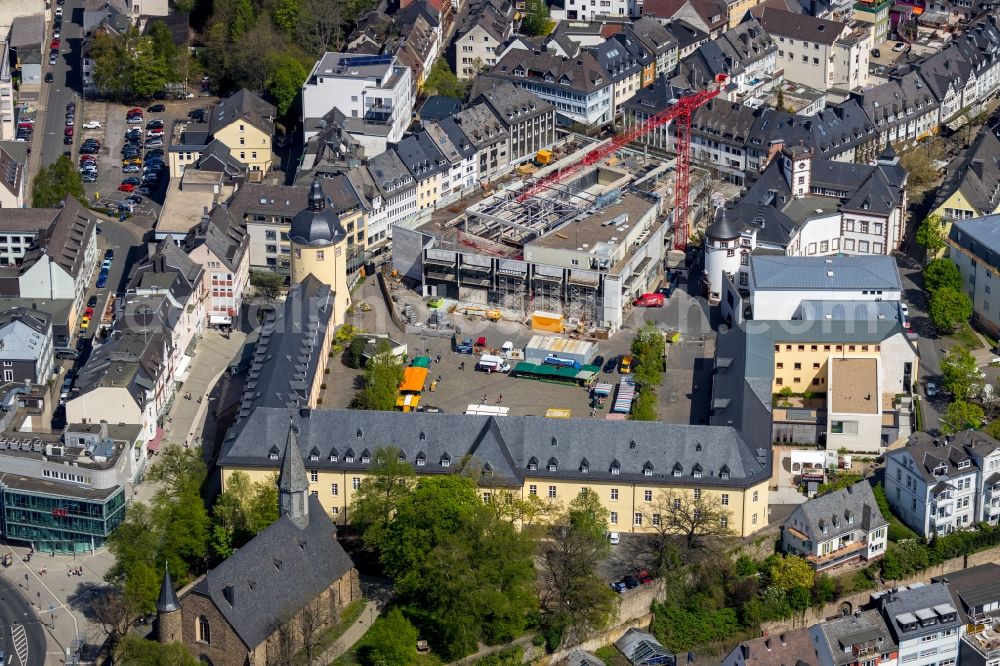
112 117
683 397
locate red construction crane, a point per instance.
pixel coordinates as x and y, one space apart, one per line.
681 112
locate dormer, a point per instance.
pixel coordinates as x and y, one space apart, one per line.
552 465
349 456
677 470
616 467
334 456
273 453
421 459
314 454
445 460
532 463
584 466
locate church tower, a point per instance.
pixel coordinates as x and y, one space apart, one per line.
319 248
293 486
168 612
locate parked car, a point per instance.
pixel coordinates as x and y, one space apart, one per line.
157 108
131 168
611 364
154 143
66 354
55 44
92 301
132 181
154 124
196 114
625 367
59 12
90 178
85 323
48 77
70 121
649 301
67 140
144 191
156 152
644 577
155 133
618 587
126 187
52 58
102 280
931 390
613 538
630 582
109 253
900 47
106 265
91 124
598 361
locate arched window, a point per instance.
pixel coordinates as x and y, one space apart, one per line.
204 633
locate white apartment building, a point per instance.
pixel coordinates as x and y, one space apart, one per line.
924 623
975 249
939 485
375 93
6 95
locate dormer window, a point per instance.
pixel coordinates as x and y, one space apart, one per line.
273 453
553 465
401 458
615 468
964 464
584 468
519 71
334 457
632 445
277 564
940 470
358 434
421 459
445 460
554 442
677 470
349 457
365 458
533 464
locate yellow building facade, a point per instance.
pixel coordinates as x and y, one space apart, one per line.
248 144
631 466
804 366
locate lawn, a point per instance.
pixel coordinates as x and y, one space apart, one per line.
611 656
965 337
348 617
351 657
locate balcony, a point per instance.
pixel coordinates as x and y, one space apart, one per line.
840 556
985 642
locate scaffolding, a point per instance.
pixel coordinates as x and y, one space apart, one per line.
511 293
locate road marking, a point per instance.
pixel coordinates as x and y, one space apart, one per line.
20 638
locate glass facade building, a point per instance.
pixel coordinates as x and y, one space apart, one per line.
64 522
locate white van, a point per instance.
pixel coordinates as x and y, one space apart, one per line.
491 363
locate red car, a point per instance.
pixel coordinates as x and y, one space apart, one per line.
126 187
54 44
87 159
134 112
649 301
89 312
68 131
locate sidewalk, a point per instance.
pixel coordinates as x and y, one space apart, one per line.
352 635
186 419
60 600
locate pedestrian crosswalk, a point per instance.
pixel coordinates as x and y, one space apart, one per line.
20 640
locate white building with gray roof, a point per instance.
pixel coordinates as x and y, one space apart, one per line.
844 641
837 528
923 621
942 484
529 120
26 346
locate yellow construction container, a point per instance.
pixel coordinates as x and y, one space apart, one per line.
413 380
546 321
544 157
556 413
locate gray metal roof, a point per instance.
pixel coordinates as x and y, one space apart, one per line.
824 273
980 236
863 629
510 446
276 574
931 453
641 648
904 606
848 310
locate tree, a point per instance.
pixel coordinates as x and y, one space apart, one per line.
321 24
919 162
962 416
286 82
791 572
383 373
177 469
135 545
675 513
163 47
460 573
930 234
129 64
960 374
137 651
356 350
391 640
524 511
536 19
388 482
942 273
949 308
242 510
112 611
644 406
55 182
267 285
574 598
442 81
648 349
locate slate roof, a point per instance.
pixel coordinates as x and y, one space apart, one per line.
243 105
224 234
900 606
685 34
265 199
731 53
288 351
167 601
972 587
803 27
511 104
835 511
449 139
23 333
438 106
276 574
421 157
814 273
583 73
976 174
510 446
929 453
705 9
65 239
389 173
168 261
979 236
863 628
217 157
652 34
791 648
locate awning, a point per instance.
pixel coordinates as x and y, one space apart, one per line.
603 389
154 444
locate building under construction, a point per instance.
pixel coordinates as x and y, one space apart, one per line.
584 248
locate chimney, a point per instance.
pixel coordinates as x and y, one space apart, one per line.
977 168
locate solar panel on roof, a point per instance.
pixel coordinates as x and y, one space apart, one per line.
360 61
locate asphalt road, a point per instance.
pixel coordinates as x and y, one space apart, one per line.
66 84
927 344
22 638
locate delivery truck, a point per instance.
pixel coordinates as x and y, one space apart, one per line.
490 363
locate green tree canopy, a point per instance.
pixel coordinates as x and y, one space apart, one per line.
267 284
949 308
392 640
790 572
960 374
383 373
387 483
55 182
461 573
536 19
930 234
942 273
242 510
133 650
442 81
129 65
286 82
962 416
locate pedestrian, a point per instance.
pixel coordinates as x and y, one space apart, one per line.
500 398
461 366
483 401
438 359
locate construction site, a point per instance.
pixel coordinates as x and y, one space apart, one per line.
582 238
